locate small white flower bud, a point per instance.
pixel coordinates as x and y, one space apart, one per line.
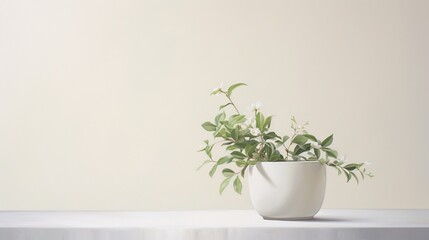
218 89
255 106
315 145
255 132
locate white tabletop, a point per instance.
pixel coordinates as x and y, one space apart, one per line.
237 224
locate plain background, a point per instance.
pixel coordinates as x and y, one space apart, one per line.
101 101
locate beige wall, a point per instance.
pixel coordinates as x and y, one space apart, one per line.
101 101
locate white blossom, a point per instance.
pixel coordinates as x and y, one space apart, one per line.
255 131
255 106
249 123
315 145
300 129
367 163
218 89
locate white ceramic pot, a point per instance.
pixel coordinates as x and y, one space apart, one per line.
290 190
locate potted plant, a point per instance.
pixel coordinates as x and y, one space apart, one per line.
287 174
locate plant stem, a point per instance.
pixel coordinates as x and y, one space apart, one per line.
287 150
232 103
262 146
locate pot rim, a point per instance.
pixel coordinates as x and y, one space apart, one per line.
291 161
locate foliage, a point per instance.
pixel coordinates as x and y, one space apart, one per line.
249 140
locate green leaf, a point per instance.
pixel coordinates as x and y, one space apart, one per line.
224 184
330 152
323 161
228 172
220 117
215 92
241 145
208 150
355 177
328 141
221 132
236 119
227 143
268 150
351 166
252 162
310 137
223 160
317 153
243 171
305 147
285 138
204 163
234 134
209 126
237 185
260 121
232 147
275 156
270 135
240 163
267 123
238 155
299 139
234 86
361 173
278 143
213 170
222 106
348 175
250 149
301 148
